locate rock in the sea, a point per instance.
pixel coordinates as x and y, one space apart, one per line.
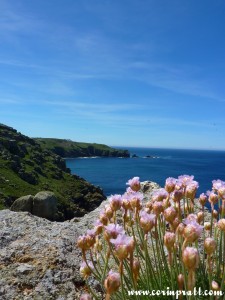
45 205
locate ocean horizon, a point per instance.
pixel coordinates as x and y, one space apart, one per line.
153 164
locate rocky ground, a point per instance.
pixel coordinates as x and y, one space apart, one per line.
39 259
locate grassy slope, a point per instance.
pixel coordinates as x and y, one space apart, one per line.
25 168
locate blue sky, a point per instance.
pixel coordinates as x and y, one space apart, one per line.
121 72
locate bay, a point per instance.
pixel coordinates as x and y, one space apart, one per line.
111 174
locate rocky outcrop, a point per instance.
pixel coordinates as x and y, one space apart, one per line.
71 149
39 259
43 204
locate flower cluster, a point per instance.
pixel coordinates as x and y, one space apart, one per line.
166 239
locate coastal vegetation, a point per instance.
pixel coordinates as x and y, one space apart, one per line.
169 244
28 168
70 149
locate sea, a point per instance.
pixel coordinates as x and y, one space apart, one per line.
112 173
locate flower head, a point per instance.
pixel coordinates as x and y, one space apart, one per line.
209 245
193 230
186 179
112 282
170 214
134 184
86 269
190 258
203 199
147 221
85 297
169 240
124 245
115 202
170 184
113 230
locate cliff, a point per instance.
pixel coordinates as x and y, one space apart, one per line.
26 168
68 148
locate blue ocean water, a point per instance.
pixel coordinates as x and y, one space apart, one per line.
111 174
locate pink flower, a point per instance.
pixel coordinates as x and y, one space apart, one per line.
217 184
136 200
186 179
160 195
193 230
112 282
213 198
147 221
170 184
190 258
85 269
124 245
85 297
134 183
113 230
203 199
191 189
170 214
115 202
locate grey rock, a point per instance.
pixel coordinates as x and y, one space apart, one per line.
24 203
45 205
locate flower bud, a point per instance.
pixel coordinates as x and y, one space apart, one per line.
192 232
180 229
202 199
170 214
207 225
170 184
134 183
215 214
215 286
177 195
209 245
157 207
85 297
112 282
221 224
103 219
180 281
175 223
115 202
83 242
108 212
169 240
190 258
136 267
200 217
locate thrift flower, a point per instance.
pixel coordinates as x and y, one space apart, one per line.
170 184
85 269
170 214
115 202
112 282
134 184
209 245
112 231
203 199
124 245
85 297
147 221
221 224
190 258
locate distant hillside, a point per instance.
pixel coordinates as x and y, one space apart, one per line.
27 168
68 148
